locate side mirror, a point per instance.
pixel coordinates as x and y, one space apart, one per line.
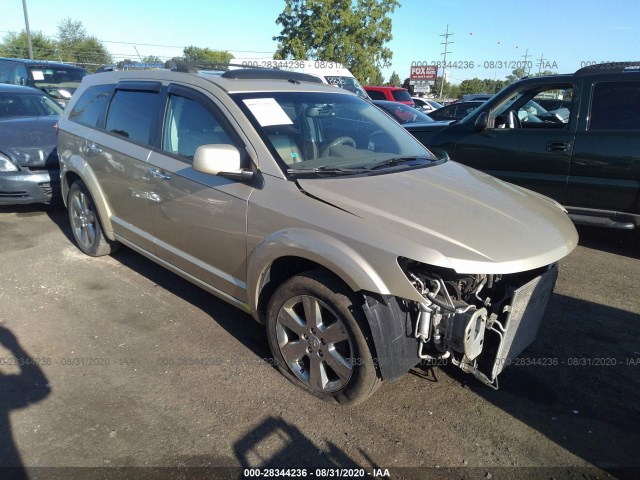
223 160
481 122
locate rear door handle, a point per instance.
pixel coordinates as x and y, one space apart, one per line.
158 174
558 147
93 148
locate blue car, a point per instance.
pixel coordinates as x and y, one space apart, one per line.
29 168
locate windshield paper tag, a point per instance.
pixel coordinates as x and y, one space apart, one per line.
267 111
37 74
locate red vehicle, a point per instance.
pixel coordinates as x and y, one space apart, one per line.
393 94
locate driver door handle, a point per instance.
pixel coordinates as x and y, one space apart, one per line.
558 147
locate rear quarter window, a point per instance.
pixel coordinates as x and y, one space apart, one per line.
91 106
131 114
402 96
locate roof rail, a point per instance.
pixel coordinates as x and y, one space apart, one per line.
194 67
270 74
238 71
609 67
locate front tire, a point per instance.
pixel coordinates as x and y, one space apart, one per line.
320 340
85 222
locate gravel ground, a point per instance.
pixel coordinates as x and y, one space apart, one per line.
131 366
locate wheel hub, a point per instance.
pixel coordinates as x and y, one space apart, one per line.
314 342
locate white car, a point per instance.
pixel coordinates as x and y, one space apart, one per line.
425 104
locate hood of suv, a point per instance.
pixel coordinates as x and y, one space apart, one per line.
478 223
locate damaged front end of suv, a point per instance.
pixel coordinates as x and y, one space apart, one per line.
478 322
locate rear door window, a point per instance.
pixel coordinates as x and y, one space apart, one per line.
132 114
615 106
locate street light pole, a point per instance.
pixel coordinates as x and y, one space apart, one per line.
26 22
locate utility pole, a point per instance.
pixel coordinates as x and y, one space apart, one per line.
134 47
541 62
446 43
526 58
26 22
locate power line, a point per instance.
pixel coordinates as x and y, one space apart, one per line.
146 44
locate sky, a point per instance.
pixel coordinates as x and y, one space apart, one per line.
554 35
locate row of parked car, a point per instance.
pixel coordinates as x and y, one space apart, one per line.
533 134
361 250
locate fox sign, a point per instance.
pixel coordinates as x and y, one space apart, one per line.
423 72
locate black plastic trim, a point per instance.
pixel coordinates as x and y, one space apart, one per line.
139 86
392 330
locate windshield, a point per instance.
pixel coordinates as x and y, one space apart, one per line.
348 83
56 78
308 130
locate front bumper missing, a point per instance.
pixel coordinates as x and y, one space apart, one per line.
520 328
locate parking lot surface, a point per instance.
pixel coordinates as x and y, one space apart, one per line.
116 362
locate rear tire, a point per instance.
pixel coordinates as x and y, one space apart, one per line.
320 339
85 222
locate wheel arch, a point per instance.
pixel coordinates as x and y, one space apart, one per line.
287 253
77 169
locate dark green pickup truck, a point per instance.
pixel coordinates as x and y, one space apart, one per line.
585 155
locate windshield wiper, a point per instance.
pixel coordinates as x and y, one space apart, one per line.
326 170
392 162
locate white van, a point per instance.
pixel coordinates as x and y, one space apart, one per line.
333 73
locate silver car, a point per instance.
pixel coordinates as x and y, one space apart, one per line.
316 213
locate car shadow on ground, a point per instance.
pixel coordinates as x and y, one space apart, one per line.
289 447
578 384
619 242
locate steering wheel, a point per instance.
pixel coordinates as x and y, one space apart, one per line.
339 141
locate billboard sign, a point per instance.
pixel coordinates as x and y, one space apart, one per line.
423 72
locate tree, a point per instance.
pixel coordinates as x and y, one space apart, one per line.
475 85
516 74
494 86
377 78
16 45
394 80
74 45
448 90
70 32
544 73
351 32
151 59
196 54
407 84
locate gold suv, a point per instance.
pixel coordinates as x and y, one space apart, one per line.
308 207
